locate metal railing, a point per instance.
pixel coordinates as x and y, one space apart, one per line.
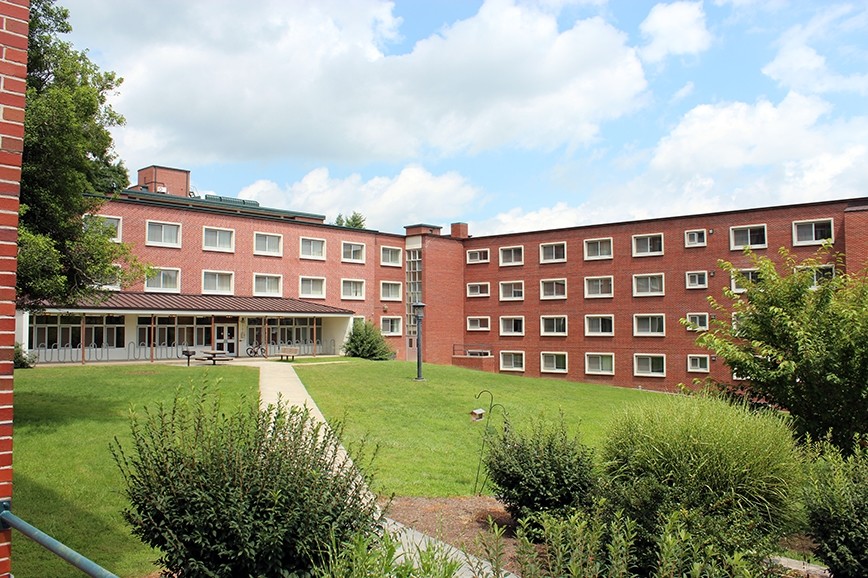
471 350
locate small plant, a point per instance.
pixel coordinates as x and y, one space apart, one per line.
367 342
22 359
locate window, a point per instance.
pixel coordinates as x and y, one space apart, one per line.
218 239
599 325
113 224
313 287
697 363
600 363
352 289
551 362
598 287
267 244
697 321
478 290
747 236
313 249
477 256
352 252
694 238
164 280
112 282
822 273
649 365
812 232
217 282
647 245
390 256
478 323
512 325
649 325
598 249
552 252
697 279
390 325
512 291
553 325
164 234
267 285
648 285
512 361
553 289
739 282
390 290
510 256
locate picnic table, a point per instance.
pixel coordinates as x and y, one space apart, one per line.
214 355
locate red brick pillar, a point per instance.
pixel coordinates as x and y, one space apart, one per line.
14 16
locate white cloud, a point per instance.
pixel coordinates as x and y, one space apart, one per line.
683 92
674 29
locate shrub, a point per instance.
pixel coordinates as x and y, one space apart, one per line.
837 506
541 470
367 342
730 473
254 492
23 360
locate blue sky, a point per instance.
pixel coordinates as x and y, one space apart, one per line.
509 115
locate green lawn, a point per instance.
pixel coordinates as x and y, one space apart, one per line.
428 446
65 481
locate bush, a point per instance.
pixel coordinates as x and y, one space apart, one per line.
249 493
730 473
23 360
367 342
541 470
837 505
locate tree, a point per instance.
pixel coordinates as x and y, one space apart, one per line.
354 221
68 169
799 341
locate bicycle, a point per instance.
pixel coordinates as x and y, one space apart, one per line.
255 350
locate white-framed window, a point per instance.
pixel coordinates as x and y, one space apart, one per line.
695 238
163 234
739 283
352 252
115 224
553 252
512 325
218 282
553 362
269 244
821 273
311 248
814 232
648 285
353 289
477 256
511 256
164 280
553 289
697 363
390 325
479 324
512 290
698 321
553 325
598 287
214 239
267 285
599 325
390 290
648 245
512 360
696 279
747 236
649 365
390 256
598 249
478 289
649 325
599 363
312 287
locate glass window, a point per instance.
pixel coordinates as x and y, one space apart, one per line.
313 248
598 287
218 239
598 249
697 321
477 256
512 361
163 234
649 325
390 325
600 363
512 325
553 362
164 280
353 252
267 244
697 279
267 285
478 289
697 363
478 323
553 289
390 256
312 287
512 291
552 252
219 282
812 232
694 238
648 285
599 325
649 365
352 289
390 290
511 256
748 236
647 245
553 325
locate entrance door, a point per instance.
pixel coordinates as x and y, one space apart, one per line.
225 338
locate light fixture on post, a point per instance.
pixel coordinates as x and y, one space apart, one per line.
418 311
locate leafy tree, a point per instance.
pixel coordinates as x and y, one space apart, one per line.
367 342
68 168
799 339
354 221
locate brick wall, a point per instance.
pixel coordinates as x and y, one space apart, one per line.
13 72
443 295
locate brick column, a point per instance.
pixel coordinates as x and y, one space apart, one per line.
14 15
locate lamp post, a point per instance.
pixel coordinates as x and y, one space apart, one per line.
418 310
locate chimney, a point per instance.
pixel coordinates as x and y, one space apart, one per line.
459 231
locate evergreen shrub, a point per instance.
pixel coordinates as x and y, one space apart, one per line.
367 342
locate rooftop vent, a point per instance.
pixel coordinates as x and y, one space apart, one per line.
232 201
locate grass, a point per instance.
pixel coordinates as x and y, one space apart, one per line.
66 482
428 445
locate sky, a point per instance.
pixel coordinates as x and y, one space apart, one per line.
509 115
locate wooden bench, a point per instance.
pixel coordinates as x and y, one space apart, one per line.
287 351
